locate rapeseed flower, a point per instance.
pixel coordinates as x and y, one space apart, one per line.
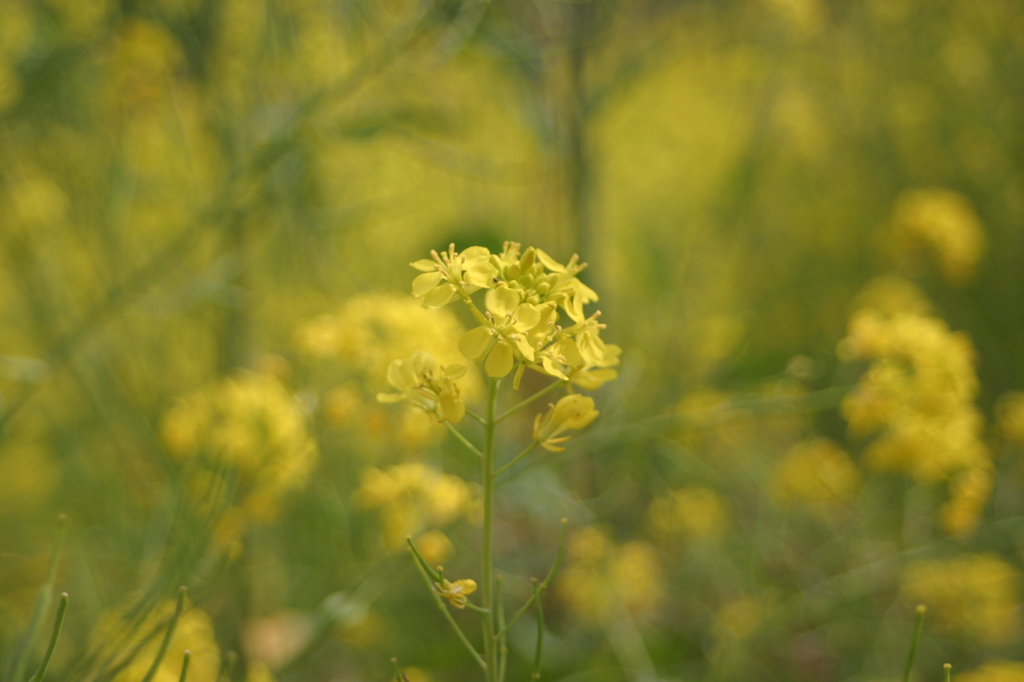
428 386
816 472
456 592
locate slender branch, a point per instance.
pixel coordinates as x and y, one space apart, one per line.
473 415
503 639
913 643
420 561
487 556
451 621
464 440
477 609
515 459
540 632
536 396
184 666
544 585
178 608
58 623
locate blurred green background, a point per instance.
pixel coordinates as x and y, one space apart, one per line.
805 219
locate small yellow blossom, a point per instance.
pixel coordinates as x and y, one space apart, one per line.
450 273
456 592
504 338
694 512
944 223
573 411
427 385
1010 415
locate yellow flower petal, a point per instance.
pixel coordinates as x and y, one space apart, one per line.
474 343
425 282
500 360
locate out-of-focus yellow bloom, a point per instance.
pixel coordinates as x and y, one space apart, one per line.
456 592
737 620
816 472
603 581
994 671
892 296
1010 415
694 512
573 411
275 639
426 385
411 497
435 547
976 596
969 491
944 223
115 635
251 425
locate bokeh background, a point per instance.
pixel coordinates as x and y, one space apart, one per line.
805 219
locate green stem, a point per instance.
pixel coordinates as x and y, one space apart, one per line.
544 585
502 640
487 556
178 608
949 670
464 440
473 415
16 671
184 665
61 610
508 465
536 396
434 575
451 621
540 632
913 643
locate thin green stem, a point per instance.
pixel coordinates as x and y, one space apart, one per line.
487 555
16 670
508 465
473 415
448 616
503 639
536 396
184 666
949 671
178 608
465 441
544 585
913 643
420 561
539 651
54 636
477 609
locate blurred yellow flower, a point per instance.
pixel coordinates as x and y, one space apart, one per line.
435 547
251 425
975 595
117 635
994 671
456 592
944 223
694 512
411 497
1010 416
603 581
815 472
573 411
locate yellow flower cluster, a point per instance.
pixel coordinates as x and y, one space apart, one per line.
115 636
411 497
695 513
603 581
816 472
944 223
457 593
519 326
249 425
976 596
995 671
918 396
